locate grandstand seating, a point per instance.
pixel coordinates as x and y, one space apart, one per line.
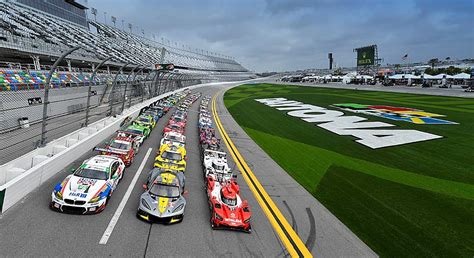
23 80
124 47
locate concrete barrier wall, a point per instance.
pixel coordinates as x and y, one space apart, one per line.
24 174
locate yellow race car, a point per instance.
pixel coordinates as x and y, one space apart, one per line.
171 157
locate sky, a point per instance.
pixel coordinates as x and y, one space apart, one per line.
286 35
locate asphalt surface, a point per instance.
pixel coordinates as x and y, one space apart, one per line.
30 228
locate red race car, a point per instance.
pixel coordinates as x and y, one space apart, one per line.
178 120
173 128
123 147
228 211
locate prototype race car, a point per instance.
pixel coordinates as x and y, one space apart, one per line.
173 138
171 157
173 128
89 188
228 211
122 147
215 164
163 199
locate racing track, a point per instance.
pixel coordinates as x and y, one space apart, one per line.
30 228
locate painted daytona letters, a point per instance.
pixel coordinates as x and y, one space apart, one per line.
335 121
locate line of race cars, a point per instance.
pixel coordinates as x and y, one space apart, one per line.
163 200
228 209
88 189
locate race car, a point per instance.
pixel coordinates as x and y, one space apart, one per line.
173 128
173 138
171 157
215 164
177 120
89 188
163 200
135 135
122 147
204 121
138 129
146 121
228 211
181 113
157 110
152 114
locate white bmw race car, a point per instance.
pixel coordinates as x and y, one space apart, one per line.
89 188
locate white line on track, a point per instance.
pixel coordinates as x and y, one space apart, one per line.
115 218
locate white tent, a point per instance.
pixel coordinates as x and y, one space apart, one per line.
461 76
441 75
428 77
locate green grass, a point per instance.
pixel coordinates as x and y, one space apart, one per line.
410 200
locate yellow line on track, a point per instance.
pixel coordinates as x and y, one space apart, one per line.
291 240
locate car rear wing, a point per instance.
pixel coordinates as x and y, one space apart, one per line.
129 133
109 151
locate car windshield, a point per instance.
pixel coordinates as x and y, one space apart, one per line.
120 145
178 119
171 155
142 119
175 127
91 173
228 201
217 167
163 190
133 131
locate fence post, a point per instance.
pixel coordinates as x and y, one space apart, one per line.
125 91
114 83
91 80
46 92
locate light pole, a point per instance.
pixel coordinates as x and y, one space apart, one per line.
125 91
114 83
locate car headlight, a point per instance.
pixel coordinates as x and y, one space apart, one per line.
59 195
180 207
218 217
146 204
95 199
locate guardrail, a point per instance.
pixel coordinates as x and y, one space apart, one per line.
26 173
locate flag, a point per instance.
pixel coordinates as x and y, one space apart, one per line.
405 57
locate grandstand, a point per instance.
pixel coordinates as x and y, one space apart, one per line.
34 34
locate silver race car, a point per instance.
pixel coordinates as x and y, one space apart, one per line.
163 200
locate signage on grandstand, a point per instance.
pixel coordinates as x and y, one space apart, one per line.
168 67
374 135
366 56
34 101
410 115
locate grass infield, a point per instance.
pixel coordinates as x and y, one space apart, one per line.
412 200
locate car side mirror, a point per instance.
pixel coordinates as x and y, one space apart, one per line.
145 186
72 170
186 158
115 176
186 193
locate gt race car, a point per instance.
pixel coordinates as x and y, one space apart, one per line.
173 138
89 188
122 147
173 128
145 120
163 200
171 157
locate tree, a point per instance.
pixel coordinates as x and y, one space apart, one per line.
433 62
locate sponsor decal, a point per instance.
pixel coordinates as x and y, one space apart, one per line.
86 181
410 115
80 195
374 135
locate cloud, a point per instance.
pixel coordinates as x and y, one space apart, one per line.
278 35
